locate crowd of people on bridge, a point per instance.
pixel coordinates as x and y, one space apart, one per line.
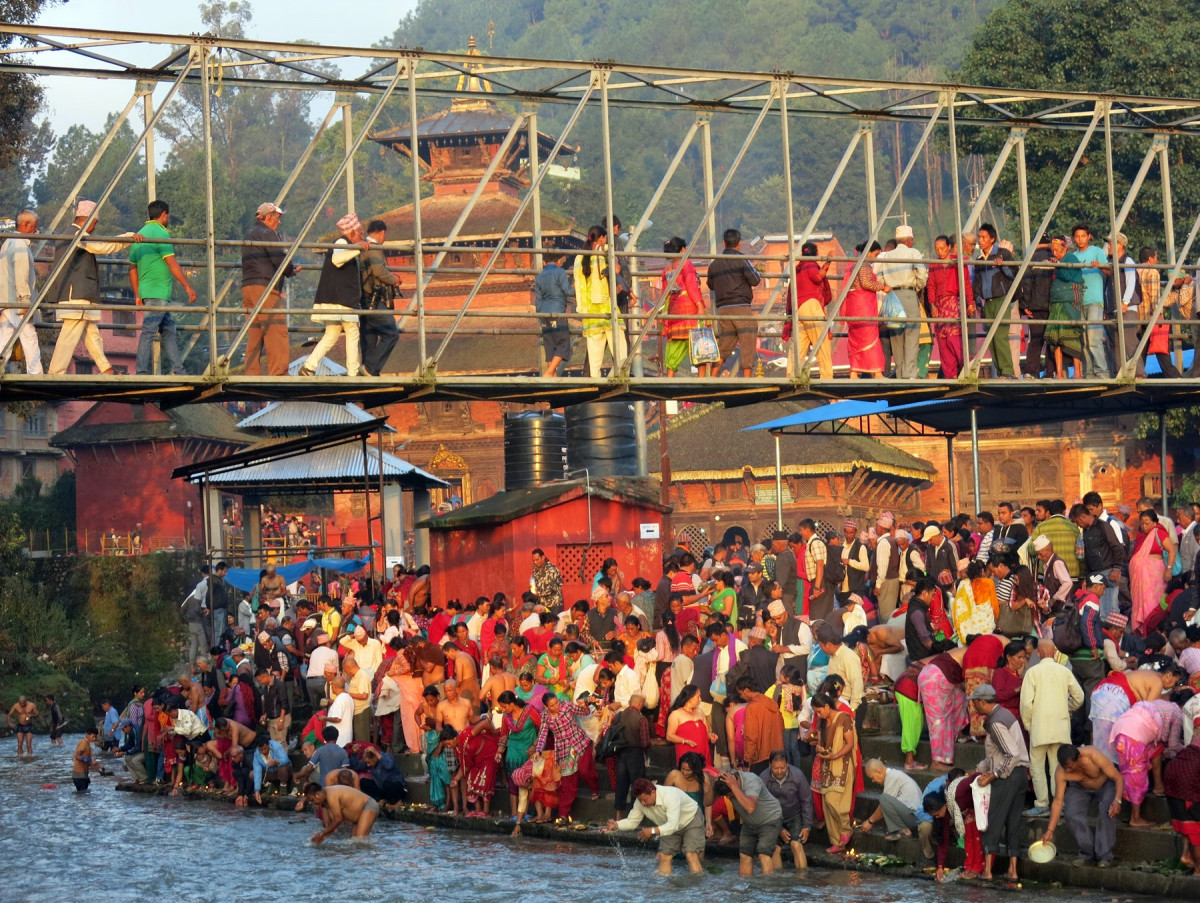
1079 310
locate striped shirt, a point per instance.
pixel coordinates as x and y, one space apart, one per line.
1004 746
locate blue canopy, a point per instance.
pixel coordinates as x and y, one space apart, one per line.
838 410
246 579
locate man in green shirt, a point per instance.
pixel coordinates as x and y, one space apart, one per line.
154 266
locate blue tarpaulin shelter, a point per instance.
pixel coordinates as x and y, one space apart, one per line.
246 579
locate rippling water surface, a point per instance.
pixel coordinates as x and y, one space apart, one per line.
109 846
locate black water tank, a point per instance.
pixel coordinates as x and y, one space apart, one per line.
602 437
535 449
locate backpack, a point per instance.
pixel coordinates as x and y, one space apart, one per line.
835 571
1067 630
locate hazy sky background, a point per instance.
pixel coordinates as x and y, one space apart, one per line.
89 101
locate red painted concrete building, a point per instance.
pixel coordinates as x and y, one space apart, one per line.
484 548
124 456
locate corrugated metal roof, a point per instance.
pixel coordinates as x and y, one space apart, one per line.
338 464
450 122
279 415
325 368
511 504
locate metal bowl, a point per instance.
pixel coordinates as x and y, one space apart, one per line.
1041 851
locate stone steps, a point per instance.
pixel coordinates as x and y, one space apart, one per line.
1058 872
1133 844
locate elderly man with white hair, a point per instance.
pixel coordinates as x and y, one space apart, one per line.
1056 576
17 278
900 806
367 651
1049 694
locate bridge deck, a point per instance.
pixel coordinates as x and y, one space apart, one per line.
1133 395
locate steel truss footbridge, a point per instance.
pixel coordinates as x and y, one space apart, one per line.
757 106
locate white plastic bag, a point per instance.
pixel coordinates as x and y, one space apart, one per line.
982 797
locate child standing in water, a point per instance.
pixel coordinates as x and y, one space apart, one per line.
82 760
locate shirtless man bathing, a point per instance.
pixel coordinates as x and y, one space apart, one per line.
342 805
1085 774
456 711
20 717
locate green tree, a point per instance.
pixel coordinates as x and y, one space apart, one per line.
257 135
851 37
24 139
73 150
1131 47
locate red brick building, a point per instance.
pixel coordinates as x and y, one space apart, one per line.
577 526
124 455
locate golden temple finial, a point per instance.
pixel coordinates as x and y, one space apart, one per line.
468 81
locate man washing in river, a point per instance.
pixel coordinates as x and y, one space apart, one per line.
339 804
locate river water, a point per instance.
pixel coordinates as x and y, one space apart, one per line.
107 846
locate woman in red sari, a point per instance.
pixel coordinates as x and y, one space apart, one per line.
1147 570
478 754
683 306
862 339
1008 676
687 727
979 665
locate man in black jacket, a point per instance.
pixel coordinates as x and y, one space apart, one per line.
993 278
754 594
1104 554
631 738
377 332
269 330
732 283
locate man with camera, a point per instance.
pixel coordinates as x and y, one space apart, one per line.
378 333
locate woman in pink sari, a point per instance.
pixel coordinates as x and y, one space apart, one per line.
862 342
1147 570
411 686
683 305
945 703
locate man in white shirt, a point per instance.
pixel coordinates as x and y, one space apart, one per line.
533 617
627 684
475 622
341 712
321 658
901 270
17 277
677 821
682 668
